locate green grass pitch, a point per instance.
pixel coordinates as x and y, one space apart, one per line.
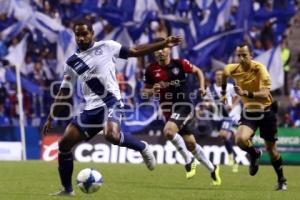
34 180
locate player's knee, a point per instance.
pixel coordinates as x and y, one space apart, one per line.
64 146
272 151
169 133
112 137
191 146
240 141
223 134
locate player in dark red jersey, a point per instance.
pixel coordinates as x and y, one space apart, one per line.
167 79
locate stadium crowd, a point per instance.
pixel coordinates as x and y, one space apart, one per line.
36 36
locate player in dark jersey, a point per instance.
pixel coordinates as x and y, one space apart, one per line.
167 79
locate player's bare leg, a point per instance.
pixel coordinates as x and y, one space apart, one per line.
71 137
199 154
242 139
171 133
276 161
114 135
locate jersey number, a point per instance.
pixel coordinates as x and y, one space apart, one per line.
175 116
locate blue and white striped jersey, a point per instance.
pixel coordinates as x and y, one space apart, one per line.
95 71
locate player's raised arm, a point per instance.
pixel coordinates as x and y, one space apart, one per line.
149 90
144 49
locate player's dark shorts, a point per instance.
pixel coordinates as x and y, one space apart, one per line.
266 122
91 122
182 116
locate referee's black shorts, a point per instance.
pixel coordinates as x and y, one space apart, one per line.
266 122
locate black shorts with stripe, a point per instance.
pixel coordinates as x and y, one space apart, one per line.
266 122
182 116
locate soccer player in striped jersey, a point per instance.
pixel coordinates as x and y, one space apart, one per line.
222 114
93 65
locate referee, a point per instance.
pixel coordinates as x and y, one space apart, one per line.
253 84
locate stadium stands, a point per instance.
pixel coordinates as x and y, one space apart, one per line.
36 36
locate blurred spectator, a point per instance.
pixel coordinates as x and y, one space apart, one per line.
14 109
6 21
267 35
39 77
295 102
28 65
286 121
4 120
40 63
3 94
3 47
258 48
286 57
2 71
231 23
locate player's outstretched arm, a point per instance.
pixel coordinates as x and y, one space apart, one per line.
60 97
262 93
143 49
149 90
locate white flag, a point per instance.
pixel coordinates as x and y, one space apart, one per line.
272 60
16 54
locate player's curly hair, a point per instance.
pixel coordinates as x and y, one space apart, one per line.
81 22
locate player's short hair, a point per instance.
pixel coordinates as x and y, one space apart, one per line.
82 22
241 45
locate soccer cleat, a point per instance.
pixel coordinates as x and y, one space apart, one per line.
215 175
191 169
281 185
254 163
63 193
230 159
235 168
148 157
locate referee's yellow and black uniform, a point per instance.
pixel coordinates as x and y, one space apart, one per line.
258 112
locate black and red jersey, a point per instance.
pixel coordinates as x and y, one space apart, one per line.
172 78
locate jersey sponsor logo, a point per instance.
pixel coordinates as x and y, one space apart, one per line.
175 71
165 153
157 75
98 51
50 147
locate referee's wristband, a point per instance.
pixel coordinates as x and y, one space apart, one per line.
250 95
223 92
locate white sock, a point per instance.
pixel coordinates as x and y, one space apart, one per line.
178 142
199 155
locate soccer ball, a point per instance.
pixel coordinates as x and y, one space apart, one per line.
89 180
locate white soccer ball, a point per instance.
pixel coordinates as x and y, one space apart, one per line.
89 180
